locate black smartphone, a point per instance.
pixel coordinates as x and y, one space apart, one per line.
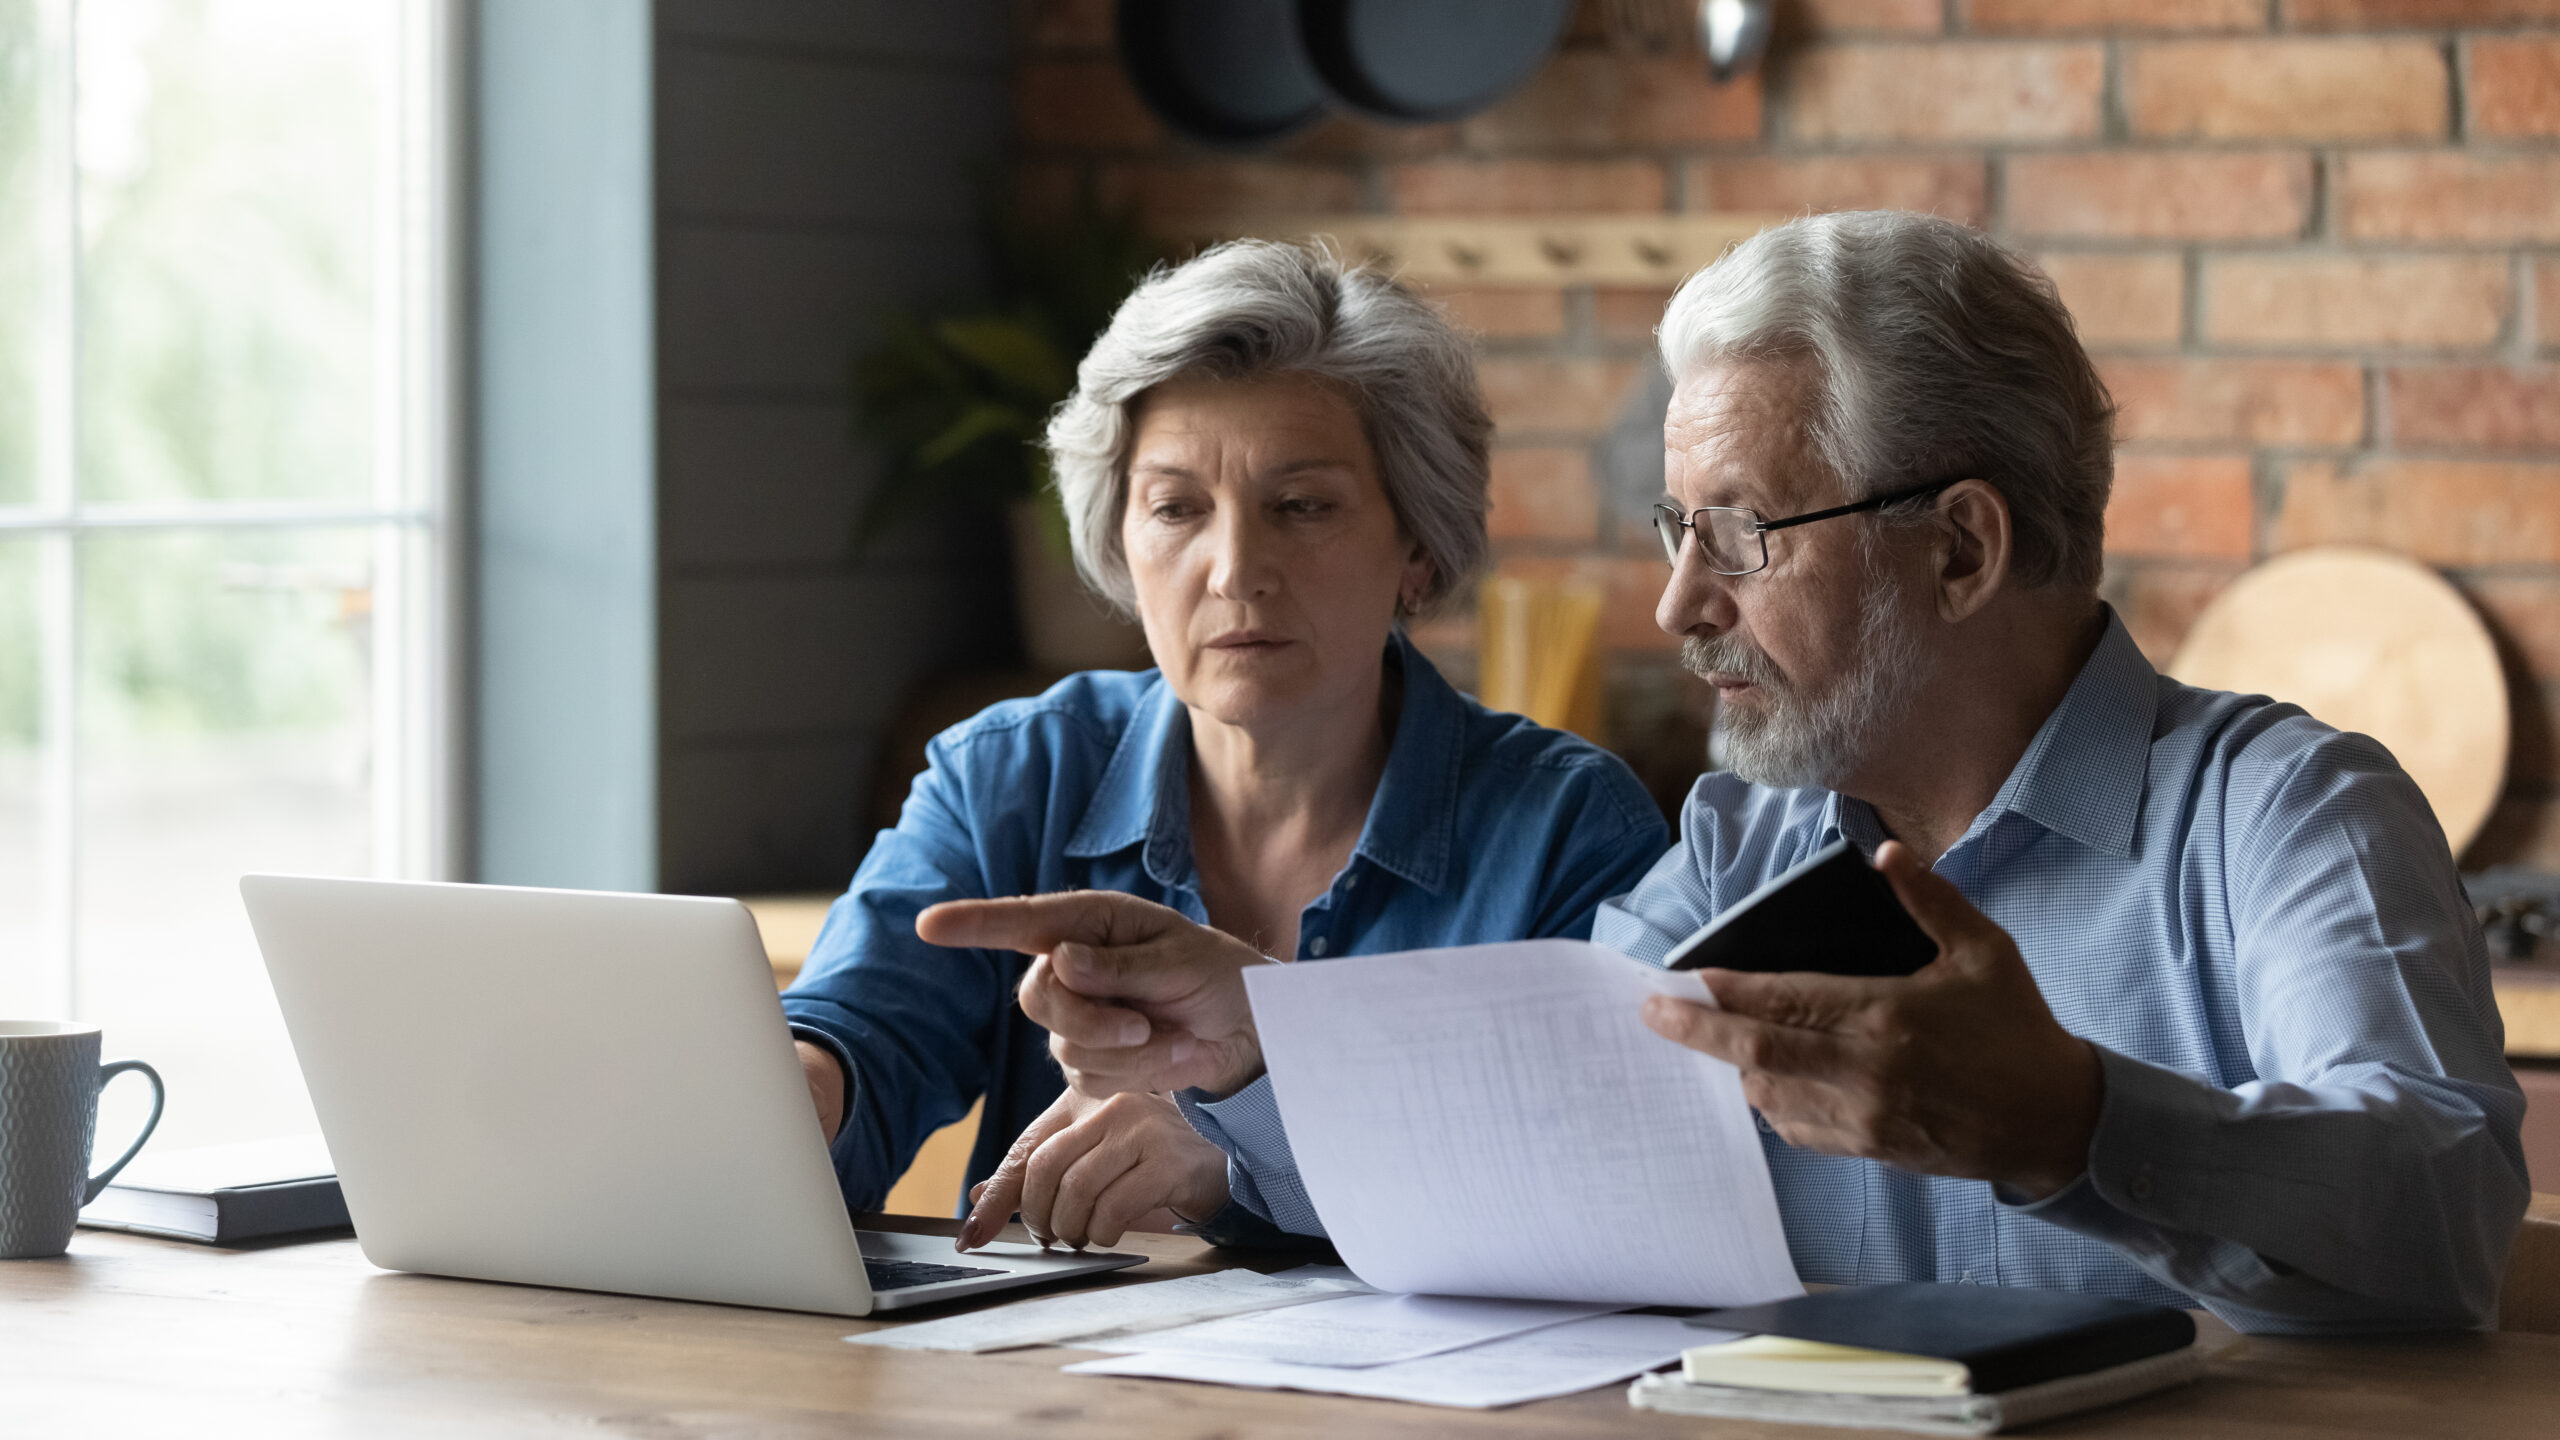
1834 914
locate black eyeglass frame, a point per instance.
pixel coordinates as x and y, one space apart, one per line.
1665 516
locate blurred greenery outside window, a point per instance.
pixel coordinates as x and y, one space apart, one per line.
222 448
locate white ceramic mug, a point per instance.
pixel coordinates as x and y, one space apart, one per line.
49 1083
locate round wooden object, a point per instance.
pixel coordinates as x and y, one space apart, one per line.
2372 642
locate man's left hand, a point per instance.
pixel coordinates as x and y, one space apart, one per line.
1959 1069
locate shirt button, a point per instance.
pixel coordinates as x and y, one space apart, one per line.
2140 1186
1350 882
1315 947
1763 1122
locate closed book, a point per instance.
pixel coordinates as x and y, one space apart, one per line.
1924 1414
225 1194
2003 1337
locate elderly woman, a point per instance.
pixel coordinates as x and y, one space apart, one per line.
1273 460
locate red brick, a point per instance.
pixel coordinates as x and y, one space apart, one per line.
1530 395
1080 104
2018 16
1830 17
1543 492
2343 89
1991 90
2252 402
2523 830
1215 196
2193 507
2417 14
2511 85
2474 407
1764 184
1599 100
1628 316
1509 187
1630 586
2121 299
2524 611
1344 137
1508 314
2256 195
2432 301
2546 297
2161 600
2448 195
1067 24
2445 512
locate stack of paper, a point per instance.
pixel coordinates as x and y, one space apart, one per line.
1122 1310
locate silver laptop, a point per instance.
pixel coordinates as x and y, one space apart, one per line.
557 1087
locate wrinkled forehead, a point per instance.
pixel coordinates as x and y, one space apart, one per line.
1737 433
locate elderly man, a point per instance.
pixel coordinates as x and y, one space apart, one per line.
2210 1019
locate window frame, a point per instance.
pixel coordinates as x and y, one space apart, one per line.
415 511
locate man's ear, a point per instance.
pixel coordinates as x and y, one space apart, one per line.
1973 550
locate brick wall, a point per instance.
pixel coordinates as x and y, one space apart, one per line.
2314 244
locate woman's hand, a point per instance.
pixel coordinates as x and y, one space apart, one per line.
1089 1170
826 1086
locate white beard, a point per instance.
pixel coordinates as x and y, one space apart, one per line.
1795 740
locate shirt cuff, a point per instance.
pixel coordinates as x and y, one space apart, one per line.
844 1062
1247 1126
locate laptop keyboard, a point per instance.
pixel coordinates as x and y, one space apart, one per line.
903 1274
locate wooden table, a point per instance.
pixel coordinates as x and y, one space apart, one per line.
127 1336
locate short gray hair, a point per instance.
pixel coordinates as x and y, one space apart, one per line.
1935 352
1252 308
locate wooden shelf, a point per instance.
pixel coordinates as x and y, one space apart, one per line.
1655 251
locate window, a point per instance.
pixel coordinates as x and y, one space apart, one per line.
223 450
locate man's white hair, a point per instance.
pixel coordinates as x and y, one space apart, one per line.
1935 353
1251 308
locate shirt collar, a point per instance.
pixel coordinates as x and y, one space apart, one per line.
1145 791
2083 774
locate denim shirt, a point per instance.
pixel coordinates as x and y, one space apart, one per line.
1484 827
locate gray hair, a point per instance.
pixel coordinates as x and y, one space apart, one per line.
1935 352
1251 308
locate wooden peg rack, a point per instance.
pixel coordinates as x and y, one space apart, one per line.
1657 251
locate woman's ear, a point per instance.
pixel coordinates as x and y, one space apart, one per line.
1416 580
1974 548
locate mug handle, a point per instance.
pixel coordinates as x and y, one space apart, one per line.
159 1098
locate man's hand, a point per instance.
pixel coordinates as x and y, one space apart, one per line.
1088 1170
1959 1069
1134 996
826 1086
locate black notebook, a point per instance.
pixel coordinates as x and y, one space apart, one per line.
1834 913
2006 1337
225 1194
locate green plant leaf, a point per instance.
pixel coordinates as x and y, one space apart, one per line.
974 424
1012 350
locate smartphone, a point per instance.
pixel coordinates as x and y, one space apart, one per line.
1835 914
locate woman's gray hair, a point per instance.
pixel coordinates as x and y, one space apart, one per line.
1935 352
1252 308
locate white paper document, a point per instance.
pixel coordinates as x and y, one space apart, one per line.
1497 1120
1558 1360
1056 1319
1356 1329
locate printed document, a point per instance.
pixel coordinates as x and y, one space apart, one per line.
1497 1120
1558 1360
1057 1319
1356 1329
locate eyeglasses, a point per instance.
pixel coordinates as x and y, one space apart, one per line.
1735 541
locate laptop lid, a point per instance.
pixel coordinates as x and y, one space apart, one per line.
558 1087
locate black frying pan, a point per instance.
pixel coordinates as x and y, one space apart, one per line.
1417 60
1230 72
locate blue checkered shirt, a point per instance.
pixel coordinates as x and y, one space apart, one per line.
2309 1124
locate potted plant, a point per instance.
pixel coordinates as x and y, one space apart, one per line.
958 399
